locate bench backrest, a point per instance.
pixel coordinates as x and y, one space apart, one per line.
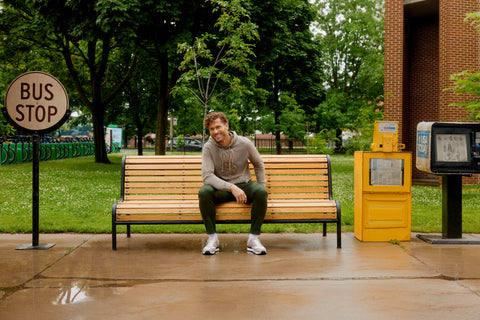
179 177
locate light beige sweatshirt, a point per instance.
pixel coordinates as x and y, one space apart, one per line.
224 166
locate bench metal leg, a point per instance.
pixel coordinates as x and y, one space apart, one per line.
128 231
114 237
339 235
114 227
324 229
339 226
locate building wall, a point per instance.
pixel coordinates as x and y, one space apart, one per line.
421 53
422 102
394 55
459 50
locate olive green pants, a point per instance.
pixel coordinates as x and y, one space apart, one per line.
256 194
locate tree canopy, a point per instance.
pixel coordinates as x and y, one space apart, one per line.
287 67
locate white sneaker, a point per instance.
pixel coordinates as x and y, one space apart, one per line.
211 247
255 246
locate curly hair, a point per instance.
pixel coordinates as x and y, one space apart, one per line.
214 116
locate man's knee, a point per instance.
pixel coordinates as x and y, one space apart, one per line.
260 192
206 191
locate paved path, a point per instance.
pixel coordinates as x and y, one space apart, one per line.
303 276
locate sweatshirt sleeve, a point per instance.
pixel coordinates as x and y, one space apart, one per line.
258 165
208 172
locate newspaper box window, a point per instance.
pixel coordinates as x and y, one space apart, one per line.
386 172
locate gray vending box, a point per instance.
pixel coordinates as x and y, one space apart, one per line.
448 147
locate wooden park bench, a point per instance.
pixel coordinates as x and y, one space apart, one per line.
164 190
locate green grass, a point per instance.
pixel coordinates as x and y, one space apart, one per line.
76 195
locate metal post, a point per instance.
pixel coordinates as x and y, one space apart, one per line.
452 206
35 189
36 200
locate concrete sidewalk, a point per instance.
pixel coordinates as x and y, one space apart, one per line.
303 276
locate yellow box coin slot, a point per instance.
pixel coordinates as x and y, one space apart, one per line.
385 137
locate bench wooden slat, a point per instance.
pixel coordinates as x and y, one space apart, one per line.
298 196
172 172
172 205
194 196
162 197
159 184
298 184
194 159
245 218
180 173
180 189
180 166
150 178
293 165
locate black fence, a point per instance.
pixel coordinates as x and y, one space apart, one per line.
289 146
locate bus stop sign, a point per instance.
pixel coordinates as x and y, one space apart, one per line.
36 102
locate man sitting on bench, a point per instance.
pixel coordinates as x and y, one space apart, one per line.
226 177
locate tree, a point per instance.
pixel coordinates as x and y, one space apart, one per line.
161 26
87 35
350 37
140 95
212 59
291 122
286 58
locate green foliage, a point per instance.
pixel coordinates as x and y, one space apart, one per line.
362 131
291 120
350 37
181 141
5 128
287 62
468 82
319 143
214 60
88 36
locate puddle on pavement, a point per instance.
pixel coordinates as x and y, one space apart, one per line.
71 295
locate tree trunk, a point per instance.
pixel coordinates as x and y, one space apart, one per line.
278 142
276 103
99 135
338 141
163 105
140 137
161 131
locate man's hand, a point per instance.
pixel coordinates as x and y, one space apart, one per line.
238 194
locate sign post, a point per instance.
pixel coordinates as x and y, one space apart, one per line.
36 103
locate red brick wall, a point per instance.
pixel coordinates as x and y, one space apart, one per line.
420 56
459 50
393 85
422 84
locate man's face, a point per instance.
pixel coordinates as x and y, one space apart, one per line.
219 132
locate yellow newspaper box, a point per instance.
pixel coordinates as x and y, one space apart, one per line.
383 197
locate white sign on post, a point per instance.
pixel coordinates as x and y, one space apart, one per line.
36 102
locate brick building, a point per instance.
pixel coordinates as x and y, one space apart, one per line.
425 42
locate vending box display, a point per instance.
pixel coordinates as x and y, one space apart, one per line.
448 147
